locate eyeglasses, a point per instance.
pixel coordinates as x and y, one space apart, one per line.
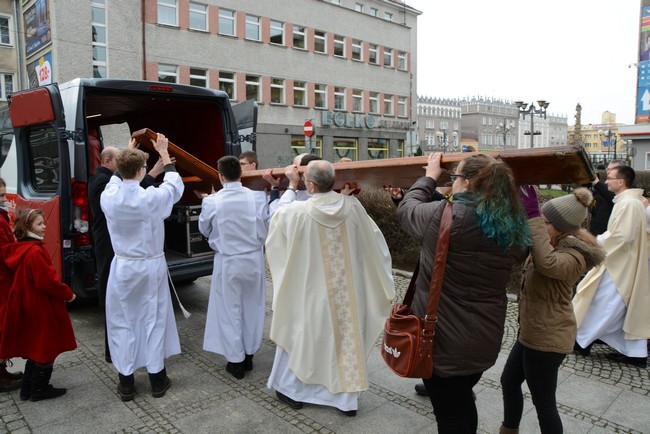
612 178
144 167
244 163
453 176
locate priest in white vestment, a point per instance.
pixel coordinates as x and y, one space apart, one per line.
333 284
613 300
235 220
139 312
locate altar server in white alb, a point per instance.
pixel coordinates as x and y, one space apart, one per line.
332 287
139 313
612 302
235 220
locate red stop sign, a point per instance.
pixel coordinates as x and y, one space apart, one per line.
308 129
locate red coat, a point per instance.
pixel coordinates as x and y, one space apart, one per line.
6 275
36 324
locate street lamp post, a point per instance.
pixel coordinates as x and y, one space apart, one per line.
532 111
608 135
443 139
504 129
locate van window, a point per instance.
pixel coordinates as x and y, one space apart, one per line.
6 135
43 145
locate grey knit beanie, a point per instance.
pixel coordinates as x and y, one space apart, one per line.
568 212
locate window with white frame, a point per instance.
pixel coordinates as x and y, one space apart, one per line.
373 54
339 98
339 46
388 16
358 7
277 91
6 30
252 88
388 105
320 42
299 37
299 93
647 161
167 12
199 77
401 60
401 106
252 27
198 16
167 73
430 124
374 12
226 22
373 102
357 100
7 82
336 2
98 25
320 96
388 57
227 83
277 32
357 50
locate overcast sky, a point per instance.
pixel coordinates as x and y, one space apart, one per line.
562 51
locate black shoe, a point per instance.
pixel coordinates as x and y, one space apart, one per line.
248 362
160 383
582 351
290 402
236 369
40 387
160 391
421 390
641 362
107 357
349 413
127 393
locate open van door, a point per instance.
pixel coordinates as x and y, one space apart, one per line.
246 118
43 167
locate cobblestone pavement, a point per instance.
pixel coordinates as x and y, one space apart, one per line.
594 395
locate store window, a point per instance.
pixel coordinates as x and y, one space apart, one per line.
252 88
198 16
373 54
227 83
320 96
377 148
339 46
400 148
345 148
198 77
226 22
252 28
299 37
357 100
167 12
167 73
373 100
357 50
339 98
320 42
301 146
277 91
299 93
277 32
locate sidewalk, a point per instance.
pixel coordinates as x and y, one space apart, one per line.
594 395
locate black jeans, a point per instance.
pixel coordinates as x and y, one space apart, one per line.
539 369
453 403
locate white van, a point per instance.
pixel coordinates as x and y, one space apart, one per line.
51 147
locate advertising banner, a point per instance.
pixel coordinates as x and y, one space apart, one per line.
39 72
37 27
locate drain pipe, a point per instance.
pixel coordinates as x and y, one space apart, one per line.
144 41
19 58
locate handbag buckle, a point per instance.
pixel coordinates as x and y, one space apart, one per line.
431 318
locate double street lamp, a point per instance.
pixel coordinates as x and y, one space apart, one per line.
606 140
443 140
504 129
532 111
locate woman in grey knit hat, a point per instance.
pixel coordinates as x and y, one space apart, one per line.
561 253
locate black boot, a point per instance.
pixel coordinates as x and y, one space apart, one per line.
41 387
248 362
8 380
126 387
4 374
160 383
26 388
582 351
236 369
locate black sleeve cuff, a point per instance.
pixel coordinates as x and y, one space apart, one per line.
169 167
273 195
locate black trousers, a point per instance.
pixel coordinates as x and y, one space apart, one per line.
539 369
453 403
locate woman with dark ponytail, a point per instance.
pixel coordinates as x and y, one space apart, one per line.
489 235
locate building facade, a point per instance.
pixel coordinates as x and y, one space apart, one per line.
8 51
348 66
438 124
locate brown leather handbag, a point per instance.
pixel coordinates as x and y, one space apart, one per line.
407 346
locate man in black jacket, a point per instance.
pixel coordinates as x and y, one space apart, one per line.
101 239
603 202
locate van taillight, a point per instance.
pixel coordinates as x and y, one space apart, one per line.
81 213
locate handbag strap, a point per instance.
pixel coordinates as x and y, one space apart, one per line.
439 262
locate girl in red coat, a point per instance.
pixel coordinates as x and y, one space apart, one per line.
36 324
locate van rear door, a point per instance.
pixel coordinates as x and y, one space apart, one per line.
43 166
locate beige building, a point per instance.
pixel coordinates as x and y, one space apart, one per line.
8 51
603 142
349 66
